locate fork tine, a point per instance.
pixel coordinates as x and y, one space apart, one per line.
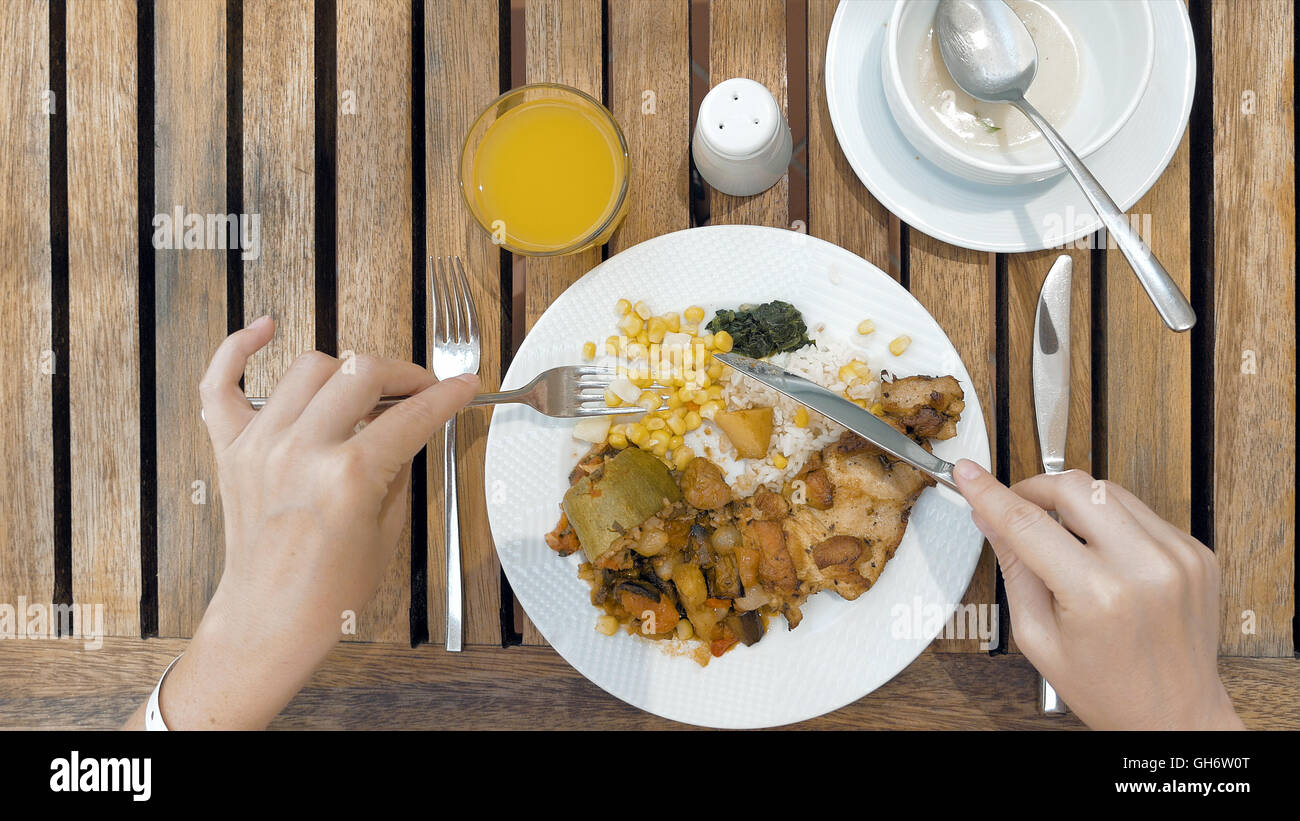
437 290
606 411
471 320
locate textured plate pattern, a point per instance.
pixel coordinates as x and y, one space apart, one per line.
1005 218
842 650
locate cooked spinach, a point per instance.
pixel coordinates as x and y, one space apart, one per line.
762 330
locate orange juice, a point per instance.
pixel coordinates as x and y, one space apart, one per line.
548 174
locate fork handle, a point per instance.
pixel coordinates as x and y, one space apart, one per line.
451 538
386 402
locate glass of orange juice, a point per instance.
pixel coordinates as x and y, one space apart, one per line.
544 170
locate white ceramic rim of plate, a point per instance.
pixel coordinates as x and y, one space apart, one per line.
583 652
998 218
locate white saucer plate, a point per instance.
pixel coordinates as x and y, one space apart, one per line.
1002 218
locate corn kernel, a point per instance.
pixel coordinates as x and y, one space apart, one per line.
674 401
878 409
655 330
846 373
693 420
660 449
638 434
617 440
673 321
684 629
861 369
714 391
612 344
648 400
611 399
686 394
642 309
676 442
655 423
622 307
801 417
630 325
707 339
607 625
709 408
619 428
694 313
722 342
780 461
677 425
899 345
589 350
715 371
866 326
643 338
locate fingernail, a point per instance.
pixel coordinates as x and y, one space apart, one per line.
259 320
966 469
469 378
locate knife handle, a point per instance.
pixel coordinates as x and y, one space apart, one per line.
1049 703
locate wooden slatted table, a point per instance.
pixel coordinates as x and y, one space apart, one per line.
339 123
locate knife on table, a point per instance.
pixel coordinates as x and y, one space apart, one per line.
1052 395
833 406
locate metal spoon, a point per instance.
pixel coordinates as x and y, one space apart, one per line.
992 57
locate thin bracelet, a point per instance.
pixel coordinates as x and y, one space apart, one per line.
153 719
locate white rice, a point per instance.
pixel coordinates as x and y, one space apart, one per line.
820 363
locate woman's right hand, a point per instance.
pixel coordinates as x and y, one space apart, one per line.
1124 620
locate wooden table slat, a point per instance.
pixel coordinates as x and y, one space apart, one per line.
279 167
840 209
1254 325
1148 367
747 39
461 77
190 302
956 286
559 36
1025 275
650 96
26 415
103 283
374 240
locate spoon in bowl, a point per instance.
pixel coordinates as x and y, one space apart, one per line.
992 57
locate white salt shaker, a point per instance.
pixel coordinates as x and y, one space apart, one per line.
742 143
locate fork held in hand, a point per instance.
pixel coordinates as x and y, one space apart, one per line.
454 350
567 392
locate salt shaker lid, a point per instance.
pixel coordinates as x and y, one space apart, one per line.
739 118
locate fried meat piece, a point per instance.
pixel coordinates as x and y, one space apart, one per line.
927 406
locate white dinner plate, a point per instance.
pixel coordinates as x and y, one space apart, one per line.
842 650
1004 218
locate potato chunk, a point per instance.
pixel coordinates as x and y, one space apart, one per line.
749 430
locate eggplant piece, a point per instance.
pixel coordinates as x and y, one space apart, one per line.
747 626
631 488
698 547
723 578
640 588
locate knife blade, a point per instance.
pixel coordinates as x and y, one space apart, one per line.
833 406
1051 364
